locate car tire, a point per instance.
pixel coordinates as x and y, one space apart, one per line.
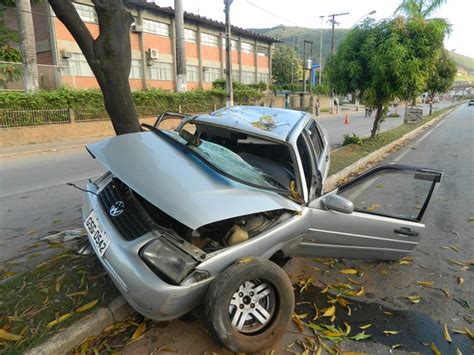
249 305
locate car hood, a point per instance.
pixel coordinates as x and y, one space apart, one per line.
180 184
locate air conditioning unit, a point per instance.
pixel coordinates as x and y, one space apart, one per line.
66 54
153 53
137 28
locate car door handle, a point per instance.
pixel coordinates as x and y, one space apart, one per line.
406 231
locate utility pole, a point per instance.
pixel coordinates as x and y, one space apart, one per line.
304 61
333 47
181 84
311 67
333 22
228 52
321 52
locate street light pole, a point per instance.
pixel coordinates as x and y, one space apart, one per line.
228 51
321 52
364 16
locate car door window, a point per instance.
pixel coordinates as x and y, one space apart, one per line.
397 192
316 139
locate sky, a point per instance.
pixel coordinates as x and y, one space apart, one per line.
306 13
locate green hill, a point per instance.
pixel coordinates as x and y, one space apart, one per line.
294 36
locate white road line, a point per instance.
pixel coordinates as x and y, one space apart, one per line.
418 141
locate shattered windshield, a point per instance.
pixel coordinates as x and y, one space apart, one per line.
225 160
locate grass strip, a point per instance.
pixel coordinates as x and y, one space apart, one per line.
349 154
49 297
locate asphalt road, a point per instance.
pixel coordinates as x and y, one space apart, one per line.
441 257
35 201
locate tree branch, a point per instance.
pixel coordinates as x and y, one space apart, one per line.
68 15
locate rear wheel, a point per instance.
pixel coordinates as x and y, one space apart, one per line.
249 305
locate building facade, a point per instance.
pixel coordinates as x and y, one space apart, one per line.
153 49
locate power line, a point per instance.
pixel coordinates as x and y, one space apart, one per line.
271 13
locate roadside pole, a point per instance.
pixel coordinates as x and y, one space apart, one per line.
181 83
228 52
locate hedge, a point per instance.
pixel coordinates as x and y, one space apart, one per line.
190 101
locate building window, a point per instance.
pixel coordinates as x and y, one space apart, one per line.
78 65
189 35
136 69
86 13
211 74
247 47
161 71
235 45
209 40
248 77
192 73
235 75
262 51
159 28
263 77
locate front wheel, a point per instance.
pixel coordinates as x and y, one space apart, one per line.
249 305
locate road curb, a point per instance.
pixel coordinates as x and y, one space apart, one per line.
118 309
333 180
42 150
91 325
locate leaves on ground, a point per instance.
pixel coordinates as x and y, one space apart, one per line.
435 349
330 311
60 319
360 336
139 331
87 306
391 332
425 283
405 261
446 333
349 271
460 280
414 298
4 335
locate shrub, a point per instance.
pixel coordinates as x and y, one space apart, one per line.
393 114
352 139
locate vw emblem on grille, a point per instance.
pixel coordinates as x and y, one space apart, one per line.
117 208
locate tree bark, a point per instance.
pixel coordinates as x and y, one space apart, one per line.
27 45
377 121
109 56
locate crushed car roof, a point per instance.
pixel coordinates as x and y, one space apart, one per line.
274 123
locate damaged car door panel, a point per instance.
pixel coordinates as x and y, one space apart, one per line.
230 191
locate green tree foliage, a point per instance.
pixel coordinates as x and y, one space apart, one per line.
442 77
285 65
421 8
386 60
8 53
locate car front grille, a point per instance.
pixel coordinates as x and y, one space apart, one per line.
133 221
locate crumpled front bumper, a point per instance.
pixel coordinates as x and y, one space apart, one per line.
143 289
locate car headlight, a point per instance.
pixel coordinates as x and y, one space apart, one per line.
166 259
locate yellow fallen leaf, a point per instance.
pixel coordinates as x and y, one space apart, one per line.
414 298
87 306
350 271
458 352
435 349
59 320
460 280
425 283
469 333
329 311
348 329
405 261
342 301
297 322
139 331
470 262
373 207
333 318
455 262
446 333
4 335
353 281
79 293
349 311
445 291
464 268
388 313
459 331
367 326
396 346
391 332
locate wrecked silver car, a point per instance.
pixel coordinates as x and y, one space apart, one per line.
203 214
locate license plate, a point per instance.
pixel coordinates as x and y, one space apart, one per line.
97 234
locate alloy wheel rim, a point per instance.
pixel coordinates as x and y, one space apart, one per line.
252 307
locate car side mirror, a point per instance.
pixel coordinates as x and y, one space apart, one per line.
337 203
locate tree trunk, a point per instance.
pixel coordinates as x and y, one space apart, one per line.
27 45
377 121
431 103
109 56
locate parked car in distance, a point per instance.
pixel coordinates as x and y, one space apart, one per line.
471 102
205 213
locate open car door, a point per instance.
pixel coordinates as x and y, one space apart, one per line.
374 216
